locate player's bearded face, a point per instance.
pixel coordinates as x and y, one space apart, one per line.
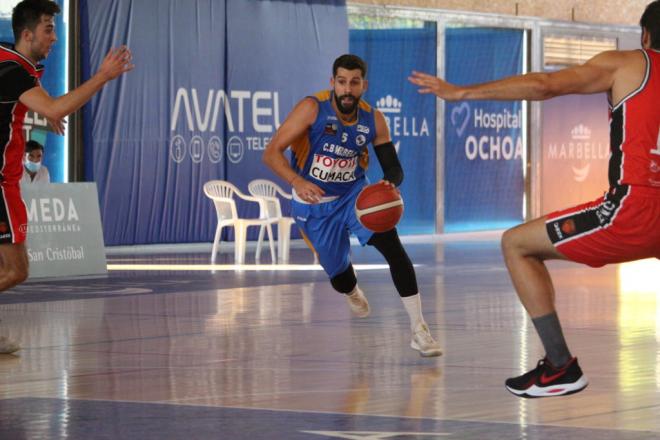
348 86
347 103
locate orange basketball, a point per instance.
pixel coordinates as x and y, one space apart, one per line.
379 207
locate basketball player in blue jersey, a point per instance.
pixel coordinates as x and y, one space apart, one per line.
328 134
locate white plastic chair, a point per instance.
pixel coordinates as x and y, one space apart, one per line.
222 193
270 208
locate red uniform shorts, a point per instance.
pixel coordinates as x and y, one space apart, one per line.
624 225
13 215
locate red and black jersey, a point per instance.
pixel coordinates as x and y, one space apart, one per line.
17 75
635 131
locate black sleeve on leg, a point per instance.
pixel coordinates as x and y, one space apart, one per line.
401 268
389 161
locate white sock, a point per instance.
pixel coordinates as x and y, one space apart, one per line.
355 290
413 305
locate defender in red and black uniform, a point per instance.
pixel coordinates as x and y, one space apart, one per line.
624 225
20 90
17 75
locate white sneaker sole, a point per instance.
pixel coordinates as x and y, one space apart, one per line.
425 353
360 314
551 391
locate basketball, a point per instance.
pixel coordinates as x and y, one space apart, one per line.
379 207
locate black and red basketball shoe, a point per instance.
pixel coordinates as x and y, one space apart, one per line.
546 380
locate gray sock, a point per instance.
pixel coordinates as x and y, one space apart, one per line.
549 330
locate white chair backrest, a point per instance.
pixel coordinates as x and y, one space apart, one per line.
268 191
222 194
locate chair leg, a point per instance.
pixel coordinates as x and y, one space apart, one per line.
270 242
283 240
216 244
239 243
257 255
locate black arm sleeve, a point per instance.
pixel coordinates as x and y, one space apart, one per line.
389 161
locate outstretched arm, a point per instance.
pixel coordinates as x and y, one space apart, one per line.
117 61
295 125
594 76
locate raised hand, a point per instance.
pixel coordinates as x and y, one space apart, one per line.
433 84
116 62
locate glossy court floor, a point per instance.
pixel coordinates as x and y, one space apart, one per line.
274 354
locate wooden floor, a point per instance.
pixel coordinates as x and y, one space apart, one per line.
275 354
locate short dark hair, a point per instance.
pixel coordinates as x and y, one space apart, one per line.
32 145
651 22
27 14
349 62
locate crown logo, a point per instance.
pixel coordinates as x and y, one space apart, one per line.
389 104
580 132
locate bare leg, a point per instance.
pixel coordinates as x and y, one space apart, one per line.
13 265
525 248
13 270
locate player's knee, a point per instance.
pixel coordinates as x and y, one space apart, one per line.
383 240
21 276
509 242
346 281
517 243
389 245
16 275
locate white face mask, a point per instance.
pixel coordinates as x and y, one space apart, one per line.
32 167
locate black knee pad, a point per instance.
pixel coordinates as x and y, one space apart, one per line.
401 268
346 281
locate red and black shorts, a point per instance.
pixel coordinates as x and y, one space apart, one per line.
624 225
13 215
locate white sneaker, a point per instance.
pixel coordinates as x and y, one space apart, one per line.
423 342
7 346
359 304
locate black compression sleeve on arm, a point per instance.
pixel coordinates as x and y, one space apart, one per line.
389 161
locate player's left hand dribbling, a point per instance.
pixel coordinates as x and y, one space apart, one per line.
390 184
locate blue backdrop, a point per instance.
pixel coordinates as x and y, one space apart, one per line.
213 80
391 55
484 182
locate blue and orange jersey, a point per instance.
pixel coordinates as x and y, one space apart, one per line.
331 154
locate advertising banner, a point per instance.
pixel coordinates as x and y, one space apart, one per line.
391 56
484 150
64 235
575 137
213 81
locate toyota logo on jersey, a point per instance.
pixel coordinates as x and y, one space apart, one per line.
330 169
